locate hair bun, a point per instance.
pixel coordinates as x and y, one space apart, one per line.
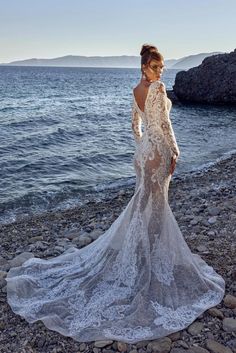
148 48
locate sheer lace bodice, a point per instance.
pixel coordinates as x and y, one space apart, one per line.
139 279
155 145
157 125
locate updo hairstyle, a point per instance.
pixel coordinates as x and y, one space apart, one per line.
148 53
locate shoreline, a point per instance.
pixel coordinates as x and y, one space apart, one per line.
110 191
204 204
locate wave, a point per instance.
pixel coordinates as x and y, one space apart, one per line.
205 167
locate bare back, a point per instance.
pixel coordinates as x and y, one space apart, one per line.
140 94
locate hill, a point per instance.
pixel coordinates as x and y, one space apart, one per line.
109 61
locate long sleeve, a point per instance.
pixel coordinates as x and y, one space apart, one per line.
136 124
165 120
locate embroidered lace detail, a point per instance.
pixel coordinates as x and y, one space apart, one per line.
93 312
134 334
162 108
136 124
162 262
125 269
184 315
139 279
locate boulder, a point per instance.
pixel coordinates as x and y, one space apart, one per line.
212 82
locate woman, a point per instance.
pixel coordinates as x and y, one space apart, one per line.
139 279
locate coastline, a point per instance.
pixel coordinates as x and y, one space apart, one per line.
204 204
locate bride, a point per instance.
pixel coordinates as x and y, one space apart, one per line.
139 279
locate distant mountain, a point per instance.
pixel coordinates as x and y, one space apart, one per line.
170 62
109 61
192 60
83 61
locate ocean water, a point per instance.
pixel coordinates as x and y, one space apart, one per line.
66 138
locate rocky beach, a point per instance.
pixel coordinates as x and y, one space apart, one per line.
204 204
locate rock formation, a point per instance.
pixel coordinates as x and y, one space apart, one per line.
212 82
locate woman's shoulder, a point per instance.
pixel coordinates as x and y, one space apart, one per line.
155 85
158 87
158 84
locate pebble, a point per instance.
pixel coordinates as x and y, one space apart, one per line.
71 234
215 313
141 344
202 249
229 324
82 347
3 261
4 289
210 335
34 239
230 301
194 222
181 343
20 259
205 223
232 343
41 341
227 312
175 336
213 211
141 350
39 245
121 346
211 233
82 241
2 283
197 349
212 220
101 344
195 328
180 350
59 248
3 274
96 350
6 267
96 233
114 345
216 347
163 345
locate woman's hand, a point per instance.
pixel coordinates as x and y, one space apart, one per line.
173 164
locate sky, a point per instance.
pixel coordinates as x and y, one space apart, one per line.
53 28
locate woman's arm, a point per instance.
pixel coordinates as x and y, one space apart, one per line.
165 120
136 124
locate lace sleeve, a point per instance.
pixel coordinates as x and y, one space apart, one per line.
136 124
165 120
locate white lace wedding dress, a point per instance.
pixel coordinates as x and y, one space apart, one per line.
139 279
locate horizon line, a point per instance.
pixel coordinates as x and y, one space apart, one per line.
105 56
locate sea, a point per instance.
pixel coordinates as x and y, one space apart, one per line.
66 137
